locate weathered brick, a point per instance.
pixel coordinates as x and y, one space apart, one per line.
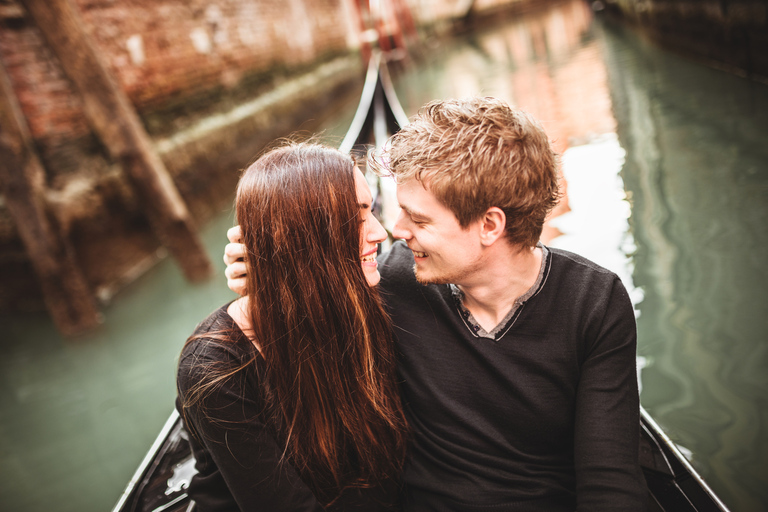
178 61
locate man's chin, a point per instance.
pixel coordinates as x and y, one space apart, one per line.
424 278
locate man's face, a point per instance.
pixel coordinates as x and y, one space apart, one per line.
443 251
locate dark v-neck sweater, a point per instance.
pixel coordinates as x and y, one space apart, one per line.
239 455
543 415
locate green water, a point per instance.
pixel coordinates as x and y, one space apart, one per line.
697 170
666 164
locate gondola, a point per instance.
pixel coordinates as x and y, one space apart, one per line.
161 481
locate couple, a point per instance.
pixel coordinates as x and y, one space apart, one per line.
471 369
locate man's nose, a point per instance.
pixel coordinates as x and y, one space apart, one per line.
399 230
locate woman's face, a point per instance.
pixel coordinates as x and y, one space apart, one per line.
372 232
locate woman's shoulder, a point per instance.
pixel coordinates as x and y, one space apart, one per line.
217 339
218 320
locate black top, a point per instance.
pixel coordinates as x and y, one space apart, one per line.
238 456
543 415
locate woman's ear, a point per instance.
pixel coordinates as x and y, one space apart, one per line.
492 226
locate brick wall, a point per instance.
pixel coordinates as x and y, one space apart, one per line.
443 12
209 44
164 51
177 59
179 62
182 63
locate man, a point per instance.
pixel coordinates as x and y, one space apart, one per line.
518 361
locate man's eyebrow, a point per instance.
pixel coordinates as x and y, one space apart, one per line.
414 213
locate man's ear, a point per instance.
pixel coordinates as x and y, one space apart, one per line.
492 226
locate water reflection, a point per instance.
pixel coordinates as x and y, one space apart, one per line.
545 63
79 415
682 144
697 170
597 223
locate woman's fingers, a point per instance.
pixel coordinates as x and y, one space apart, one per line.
235 234
235 273
233 252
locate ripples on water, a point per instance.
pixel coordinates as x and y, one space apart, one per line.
697 171
666 168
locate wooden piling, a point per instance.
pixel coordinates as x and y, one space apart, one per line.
65 290
116 122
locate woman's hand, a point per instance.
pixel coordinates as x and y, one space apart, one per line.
234 258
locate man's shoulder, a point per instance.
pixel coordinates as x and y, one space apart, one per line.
574 273
572 262
580 279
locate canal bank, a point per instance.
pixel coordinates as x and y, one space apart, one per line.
206 86
186 94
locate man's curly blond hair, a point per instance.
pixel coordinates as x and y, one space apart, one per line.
477 153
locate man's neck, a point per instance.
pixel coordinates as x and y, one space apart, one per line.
506 276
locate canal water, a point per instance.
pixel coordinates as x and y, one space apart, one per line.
667 169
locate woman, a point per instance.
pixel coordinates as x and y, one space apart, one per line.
289 392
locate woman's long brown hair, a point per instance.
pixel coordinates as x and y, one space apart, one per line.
329 383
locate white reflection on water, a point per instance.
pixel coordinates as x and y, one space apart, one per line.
597 224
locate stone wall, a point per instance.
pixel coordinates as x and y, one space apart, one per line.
172 58
213 82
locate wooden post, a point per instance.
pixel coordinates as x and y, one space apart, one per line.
118 125
66 293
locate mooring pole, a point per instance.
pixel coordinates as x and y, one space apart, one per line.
117 124
22 180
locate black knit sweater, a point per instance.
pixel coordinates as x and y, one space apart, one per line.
239 455
543 417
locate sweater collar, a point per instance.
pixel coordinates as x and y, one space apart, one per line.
503 327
